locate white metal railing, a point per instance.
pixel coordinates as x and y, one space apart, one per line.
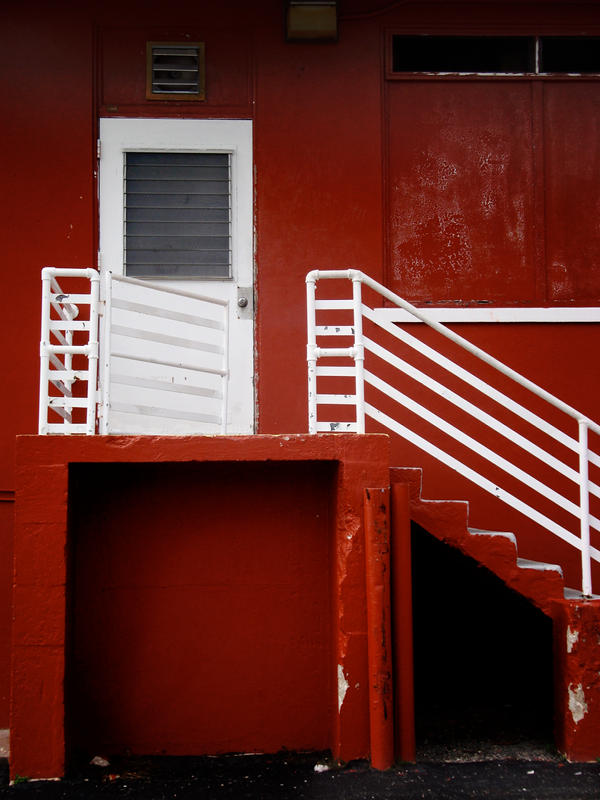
380 320
163 353
70 411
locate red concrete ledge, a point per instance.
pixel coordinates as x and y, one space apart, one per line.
40 605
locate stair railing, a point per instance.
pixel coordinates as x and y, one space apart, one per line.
360 376
152 342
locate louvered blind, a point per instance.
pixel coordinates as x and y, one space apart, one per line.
177 215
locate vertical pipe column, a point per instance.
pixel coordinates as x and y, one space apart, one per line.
225 367
584 510
93 352
44 354
67 315
402 622
377 551
105 350
311 350
359 351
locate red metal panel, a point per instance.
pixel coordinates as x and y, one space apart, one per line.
460 191
572 142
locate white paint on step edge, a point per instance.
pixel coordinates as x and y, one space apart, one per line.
572 638
577 705
342 686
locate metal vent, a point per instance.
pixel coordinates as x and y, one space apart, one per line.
175 71
177 215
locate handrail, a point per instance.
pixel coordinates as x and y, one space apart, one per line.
357 352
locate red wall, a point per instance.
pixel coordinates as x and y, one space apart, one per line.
201 615
336 186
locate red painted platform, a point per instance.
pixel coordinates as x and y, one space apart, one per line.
191 595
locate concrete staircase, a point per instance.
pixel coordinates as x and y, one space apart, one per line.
576 620
447 520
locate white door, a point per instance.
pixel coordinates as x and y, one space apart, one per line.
176 210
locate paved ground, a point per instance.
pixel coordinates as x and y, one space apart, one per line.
289 776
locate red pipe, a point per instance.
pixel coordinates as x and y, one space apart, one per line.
377 551
402 623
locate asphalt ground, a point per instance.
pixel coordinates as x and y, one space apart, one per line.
292 775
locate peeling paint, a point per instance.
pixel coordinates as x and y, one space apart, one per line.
343 686
577 705
572 638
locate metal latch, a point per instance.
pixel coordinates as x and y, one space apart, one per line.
245 302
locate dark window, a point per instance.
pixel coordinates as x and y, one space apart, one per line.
177 215
503 55
499 54
570 54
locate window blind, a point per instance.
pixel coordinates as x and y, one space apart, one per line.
177 215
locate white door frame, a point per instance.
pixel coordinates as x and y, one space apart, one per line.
120 135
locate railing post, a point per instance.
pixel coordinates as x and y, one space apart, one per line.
311 351
225 367
359 350
93 354
104 362
584 510
44 355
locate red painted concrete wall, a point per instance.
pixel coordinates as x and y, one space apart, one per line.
158 611
330 147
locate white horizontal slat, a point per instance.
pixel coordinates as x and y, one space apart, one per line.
169 290
337 399
172 364
331 305
70 299
165 313
486 314
82 349
169 413
478 479
334 330
66 402
164 386
68 375
64 428
336 372
69 325
336 427
334 352
478 384
481 450
477 413
163 338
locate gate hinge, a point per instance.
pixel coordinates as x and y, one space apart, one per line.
98 149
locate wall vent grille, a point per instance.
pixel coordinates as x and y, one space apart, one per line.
175 71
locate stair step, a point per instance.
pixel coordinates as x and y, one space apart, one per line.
542 566
577 594
503 534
